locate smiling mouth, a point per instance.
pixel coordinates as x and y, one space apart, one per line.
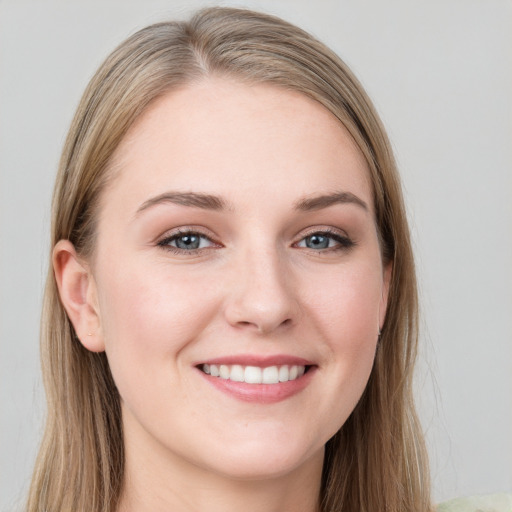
255 374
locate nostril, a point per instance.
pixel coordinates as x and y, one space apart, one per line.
288 321
262 326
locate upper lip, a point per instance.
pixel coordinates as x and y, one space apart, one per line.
256 360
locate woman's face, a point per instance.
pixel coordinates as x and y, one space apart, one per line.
237 237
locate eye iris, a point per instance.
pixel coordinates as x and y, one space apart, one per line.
317 242
188 242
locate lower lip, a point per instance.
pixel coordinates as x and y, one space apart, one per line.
261 393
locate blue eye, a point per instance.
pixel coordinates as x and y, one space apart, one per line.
318 241
186 242
325 240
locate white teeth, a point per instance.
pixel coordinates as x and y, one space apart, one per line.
270 375
237 373
284 373
255 374
224 371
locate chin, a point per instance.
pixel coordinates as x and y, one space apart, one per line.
264 459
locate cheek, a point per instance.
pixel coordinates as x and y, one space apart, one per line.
145 296
344 309
148 315
347 301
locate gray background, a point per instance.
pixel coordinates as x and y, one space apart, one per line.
440 73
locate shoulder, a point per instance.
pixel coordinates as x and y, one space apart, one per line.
487 503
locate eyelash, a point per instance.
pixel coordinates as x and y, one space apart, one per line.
165 243
343 242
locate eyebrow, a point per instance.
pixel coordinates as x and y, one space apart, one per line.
324 201
192 199
216 203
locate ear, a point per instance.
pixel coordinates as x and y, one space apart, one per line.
78 294
386 283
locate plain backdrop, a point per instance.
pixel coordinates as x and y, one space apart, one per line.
440 74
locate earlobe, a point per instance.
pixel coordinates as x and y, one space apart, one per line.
77 292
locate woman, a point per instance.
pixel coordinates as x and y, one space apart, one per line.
231 316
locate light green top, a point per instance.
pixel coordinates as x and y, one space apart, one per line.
487 503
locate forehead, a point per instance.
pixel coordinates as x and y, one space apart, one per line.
237 140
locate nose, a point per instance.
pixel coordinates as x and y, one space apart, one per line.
262 296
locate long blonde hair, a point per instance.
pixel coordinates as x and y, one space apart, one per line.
377 461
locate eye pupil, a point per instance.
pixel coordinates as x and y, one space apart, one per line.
317 242
188 242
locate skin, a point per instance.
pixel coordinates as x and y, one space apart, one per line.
253 287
